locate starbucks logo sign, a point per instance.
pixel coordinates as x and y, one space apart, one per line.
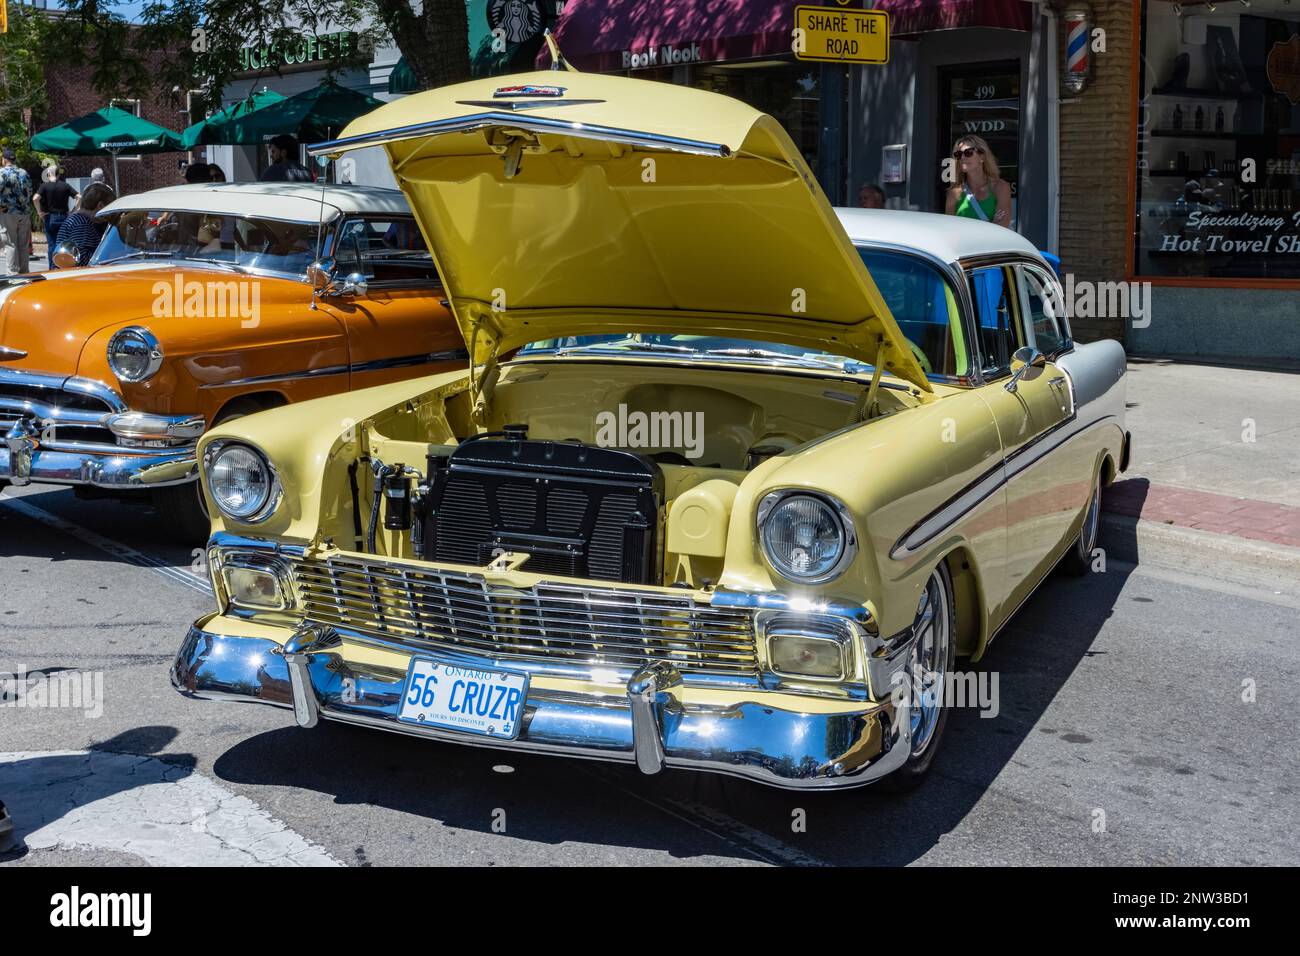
519 20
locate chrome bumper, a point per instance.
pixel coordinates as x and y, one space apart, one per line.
652 726
23 460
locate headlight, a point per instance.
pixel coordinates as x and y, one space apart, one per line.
240 480
134 354
805 538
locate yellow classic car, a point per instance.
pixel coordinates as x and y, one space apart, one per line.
732 480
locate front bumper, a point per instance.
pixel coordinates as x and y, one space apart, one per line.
657 721
23 460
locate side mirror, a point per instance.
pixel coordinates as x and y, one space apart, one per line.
1021 362
319 275
355 284
66 256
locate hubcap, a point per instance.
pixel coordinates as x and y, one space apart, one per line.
929 660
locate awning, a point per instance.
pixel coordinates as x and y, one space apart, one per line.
603 35
609 35
912 17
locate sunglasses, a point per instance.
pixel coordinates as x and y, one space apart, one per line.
966 153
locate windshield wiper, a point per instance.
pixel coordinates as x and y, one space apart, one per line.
137 254
625 345
807 360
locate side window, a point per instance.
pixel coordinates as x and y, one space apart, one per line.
1044 306
993 291
390 250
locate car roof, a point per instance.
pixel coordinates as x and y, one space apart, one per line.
950 238
293 202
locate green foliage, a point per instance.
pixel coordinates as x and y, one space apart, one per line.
196 45
22 75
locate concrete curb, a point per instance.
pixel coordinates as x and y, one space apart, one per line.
1223 556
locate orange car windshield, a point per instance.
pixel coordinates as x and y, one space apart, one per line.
266 245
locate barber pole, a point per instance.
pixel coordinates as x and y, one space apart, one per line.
1077 61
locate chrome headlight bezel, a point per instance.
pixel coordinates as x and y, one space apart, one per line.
274 493
774 500
149 343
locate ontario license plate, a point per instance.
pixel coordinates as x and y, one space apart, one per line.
485 702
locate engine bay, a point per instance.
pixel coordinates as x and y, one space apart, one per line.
611 471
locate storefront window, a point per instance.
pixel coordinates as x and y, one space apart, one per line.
1218 151
984 100
787 90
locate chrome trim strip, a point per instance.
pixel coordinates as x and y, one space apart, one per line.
401 361
63 383
532 124
970 497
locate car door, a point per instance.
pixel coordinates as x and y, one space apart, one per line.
1027 414
400 327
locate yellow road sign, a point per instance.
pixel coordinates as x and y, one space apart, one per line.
833 35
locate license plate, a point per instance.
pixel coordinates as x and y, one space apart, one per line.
485 702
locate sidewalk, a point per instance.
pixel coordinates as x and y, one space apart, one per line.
1216 456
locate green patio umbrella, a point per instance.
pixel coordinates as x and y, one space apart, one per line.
314 115
221 129
106 132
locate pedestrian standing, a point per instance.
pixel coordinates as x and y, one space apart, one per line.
15 215
53 203
982 193
285 167
82 230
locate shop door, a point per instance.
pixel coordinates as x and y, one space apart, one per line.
983 99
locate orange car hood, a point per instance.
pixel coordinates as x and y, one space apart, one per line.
52 318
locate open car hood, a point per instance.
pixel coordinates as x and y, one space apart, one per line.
636 206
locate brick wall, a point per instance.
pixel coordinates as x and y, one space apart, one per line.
69 94
1096 137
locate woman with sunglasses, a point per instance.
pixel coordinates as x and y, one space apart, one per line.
982 192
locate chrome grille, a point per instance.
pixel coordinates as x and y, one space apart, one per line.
607 627
77 409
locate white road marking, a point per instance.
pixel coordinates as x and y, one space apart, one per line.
166 814
177 575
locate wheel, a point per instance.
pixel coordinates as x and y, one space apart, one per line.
182 510
1078 560
181 507
927 673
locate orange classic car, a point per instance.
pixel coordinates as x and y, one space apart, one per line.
201 304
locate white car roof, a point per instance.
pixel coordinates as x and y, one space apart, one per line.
290 202
950 238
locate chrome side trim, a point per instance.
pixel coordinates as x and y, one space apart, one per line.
970 497
532 124
401 361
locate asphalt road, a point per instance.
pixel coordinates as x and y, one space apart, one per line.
1122 738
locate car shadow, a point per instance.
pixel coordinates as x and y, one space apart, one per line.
57 534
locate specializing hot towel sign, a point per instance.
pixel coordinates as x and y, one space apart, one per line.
1235 232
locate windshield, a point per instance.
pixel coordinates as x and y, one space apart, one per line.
920 298
241 242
